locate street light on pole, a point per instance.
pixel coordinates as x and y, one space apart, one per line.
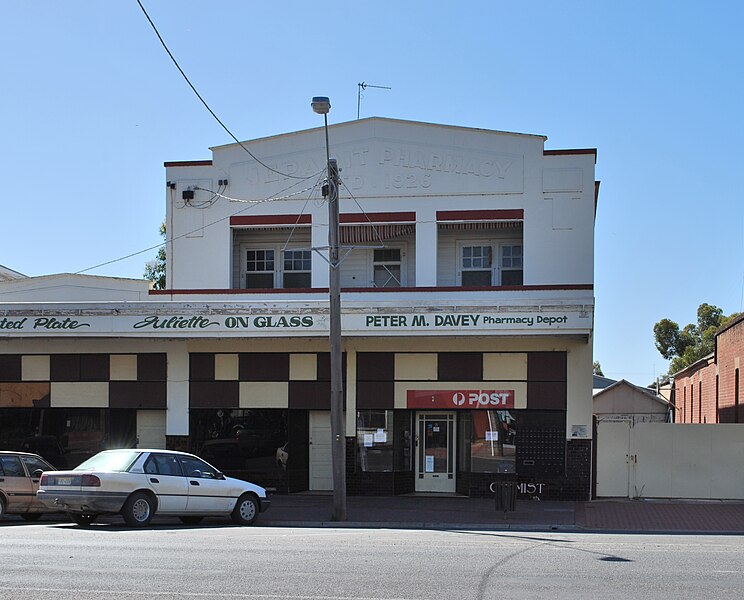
322 105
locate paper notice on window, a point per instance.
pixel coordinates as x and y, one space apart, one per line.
429 468
492 436
368 440
579 431
380 436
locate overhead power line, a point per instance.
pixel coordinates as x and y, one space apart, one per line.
204 102
252 203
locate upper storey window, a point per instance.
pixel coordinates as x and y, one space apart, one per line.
483 264
511 264
477 265
297 269
263 270
271 252
387 268
259 269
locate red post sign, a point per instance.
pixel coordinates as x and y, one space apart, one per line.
453 399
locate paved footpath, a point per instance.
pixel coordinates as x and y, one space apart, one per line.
417 511
662 515
471 513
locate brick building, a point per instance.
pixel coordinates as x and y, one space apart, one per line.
710 390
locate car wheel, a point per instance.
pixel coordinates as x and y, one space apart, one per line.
2 508
191 520
138 510
82 519
246 510
31 516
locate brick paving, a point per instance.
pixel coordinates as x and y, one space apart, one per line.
461 512
417 511
661 515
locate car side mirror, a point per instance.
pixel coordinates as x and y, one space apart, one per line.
219 475
37 473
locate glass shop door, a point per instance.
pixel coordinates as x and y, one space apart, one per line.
435 452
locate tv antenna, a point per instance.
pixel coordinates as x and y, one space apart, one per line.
363 86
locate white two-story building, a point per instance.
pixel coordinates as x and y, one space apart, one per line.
467 318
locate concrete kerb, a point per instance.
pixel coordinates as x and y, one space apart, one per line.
494 527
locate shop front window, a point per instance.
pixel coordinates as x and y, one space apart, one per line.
250 444
65 437
493 441
375 440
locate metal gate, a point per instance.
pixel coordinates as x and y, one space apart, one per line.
613 459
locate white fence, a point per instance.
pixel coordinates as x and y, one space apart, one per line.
670 460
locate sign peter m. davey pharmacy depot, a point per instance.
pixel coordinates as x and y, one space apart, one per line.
290 323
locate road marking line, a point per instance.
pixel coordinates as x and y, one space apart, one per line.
150 593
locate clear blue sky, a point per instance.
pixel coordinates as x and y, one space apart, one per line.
91 107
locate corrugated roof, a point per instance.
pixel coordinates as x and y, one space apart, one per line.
7 274
646 391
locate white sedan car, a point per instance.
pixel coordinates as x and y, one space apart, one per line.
139 483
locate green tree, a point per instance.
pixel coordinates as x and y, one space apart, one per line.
688 345
709 316
597 369
667 336
155 269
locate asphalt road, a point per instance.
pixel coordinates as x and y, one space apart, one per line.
217 560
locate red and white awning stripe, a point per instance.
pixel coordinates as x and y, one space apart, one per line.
375 232
483 225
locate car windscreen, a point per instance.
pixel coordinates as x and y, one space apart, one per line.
109 460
